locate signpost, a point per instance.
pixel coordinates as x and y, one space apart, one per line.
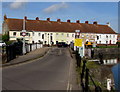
24 34
78 42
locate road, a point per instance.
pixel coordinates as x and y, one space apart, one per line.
52 72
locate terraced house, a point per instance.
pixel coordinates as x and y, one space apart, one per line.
52 32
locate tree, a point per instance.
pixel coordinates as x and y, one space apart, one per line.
5 37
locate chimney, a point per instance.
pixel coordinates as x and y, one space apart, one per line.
95 22
77 21
58 20
37 18
86 22
48 19
5 17
68 20
108 23
25 17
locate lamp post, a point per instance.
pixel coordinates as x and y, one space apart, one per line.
24 34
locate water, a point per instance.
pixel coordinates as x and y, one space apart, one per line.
116 74
113 61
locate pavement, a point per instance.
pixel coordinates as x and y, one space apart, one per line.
28 57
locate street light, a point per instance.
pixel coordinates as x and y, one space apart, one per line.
24 34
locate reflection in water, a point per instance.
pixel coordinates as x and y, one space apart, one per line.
116 73
110 61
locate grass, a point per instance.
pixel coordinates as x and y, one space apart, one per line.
106 47
91 64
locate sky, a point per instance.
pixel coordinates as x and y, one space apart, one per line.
102 12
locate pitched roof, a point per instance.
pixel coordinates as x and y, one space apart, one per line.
54 26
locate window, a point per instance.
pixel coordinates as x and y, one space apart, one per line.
106 36
56 33
97 37
33 33
106 42
21 34
51 33
27 34
14 33
51 38
72 35
99 42
110 36
67 35
38 34
61 33
42 36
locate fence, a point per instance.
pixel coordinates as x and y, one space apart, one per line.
85 75
10 52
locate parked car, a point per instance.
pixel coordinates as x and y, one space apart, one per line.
2 43
62 44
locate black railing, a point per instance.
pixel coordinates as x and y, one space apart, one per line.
85 75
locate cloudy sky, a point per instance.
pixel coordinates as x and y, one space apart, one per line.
102 12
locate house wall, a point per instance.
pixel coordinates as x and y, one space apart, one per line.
56 36
88 37
106 38
13 37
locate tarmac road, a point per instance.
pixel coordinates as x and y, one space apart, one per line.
52 72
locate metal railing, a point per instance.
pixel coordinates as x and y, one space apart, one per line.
85 75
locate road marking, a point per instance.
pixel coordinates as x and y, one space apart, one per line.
68 85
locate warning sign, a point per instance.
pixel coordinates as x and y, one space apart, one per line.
78 42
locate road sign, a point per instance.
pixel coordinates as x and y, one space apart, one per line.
23 32
78 42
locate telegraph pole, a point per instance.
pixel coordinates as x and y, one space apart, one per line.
24 34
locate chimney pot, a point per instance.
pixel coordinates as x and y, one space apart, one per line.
68 20
58 20
5 17
108 23
77 21
95 22
86 22
48 19
37 18
25 17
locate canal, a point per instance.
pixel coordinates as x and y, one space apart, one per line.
113 61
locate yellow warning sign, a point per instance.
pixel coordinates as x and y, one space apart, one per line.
78 42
